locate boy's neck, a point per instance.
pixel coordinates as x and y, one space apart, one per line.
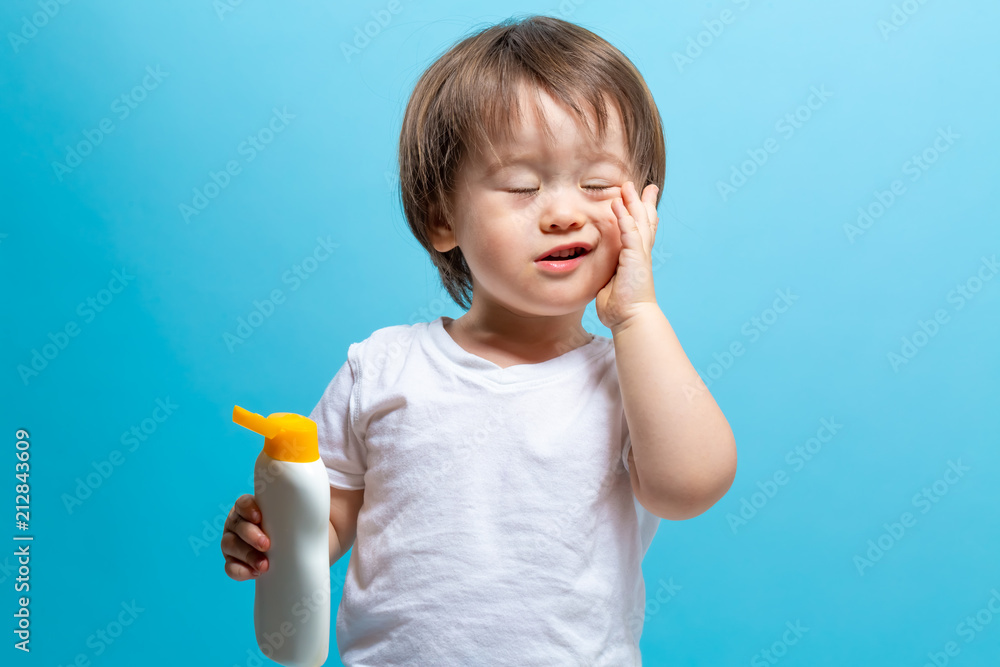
511 339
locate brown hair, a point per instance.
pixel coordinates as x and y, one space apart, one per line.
469 97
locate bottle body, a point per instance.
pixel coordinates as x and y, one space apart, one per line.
292 598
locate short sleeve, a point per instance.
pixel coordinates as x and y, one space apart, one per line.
341 449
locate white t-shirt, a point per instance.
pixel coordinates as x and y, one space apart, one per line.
499 525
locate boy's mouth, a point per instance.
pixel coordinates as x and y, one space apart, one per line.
564 253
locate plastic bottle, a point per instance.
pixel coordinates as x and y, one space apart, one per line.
291 610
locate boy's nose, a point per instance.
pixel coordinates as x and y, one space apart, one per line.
559 209
562 220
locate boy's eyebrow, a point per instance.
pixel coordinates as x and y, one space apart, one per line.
494 166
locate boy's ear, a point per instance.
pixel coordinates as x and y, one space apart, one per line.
441 234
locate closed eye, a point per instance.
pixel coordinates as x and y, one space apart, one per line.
586 187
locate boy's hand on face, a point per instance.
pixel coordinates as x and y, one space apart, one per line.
630 290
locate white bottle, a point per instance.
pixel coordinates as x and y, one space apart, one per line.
291 610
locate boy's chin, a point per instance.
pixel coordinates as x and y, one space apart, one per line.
568 306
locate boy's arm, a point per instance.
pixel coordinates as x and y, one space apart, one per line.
683 456
344 507
335 552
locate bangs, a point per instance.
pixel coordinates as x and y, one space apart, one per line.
499 116
501 80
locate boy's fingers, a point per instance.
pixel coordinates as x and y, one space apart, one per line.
242 522
237 569
253 535
236 547
246 505
250 533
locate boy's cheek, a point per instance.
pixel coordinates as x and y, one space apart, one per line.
610 196
611 246
609 221
609 263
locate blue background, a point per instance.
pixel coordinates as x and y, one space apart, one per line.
721 588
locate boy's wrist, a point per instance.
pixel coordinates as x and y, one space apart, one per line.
639 314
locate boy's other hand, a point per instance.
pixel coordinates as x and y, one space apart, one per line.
243 541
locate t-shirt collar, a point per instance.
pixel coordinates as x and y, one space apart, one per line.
449 348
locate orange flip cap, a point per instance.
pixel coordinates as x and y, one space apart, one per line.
287 436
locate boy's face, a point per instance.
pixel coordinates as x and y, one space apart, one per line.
569 186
